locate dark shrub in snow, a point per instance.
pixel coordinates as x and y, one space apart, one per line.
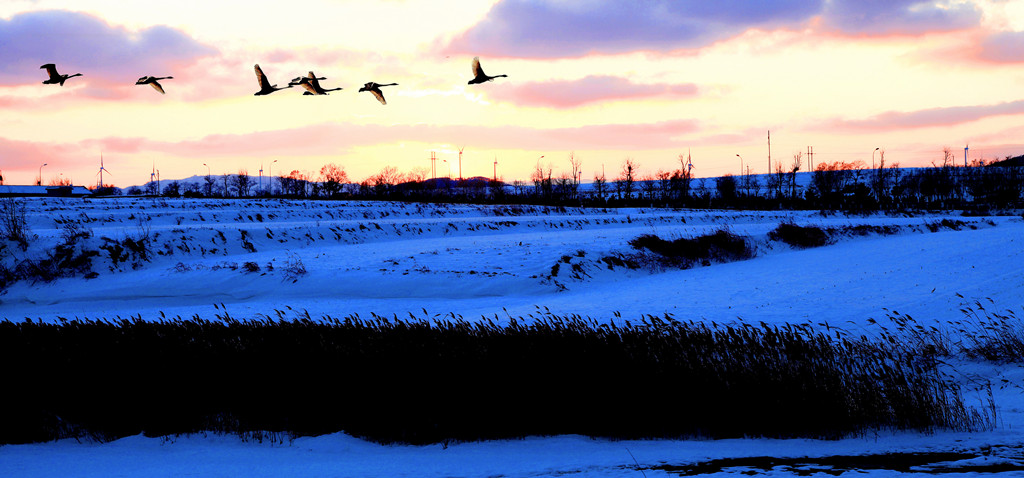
799 236
719 246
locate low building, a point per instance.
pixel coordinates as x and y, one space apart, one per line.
44 191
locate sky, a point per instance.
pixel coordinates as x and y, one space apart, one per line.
602 80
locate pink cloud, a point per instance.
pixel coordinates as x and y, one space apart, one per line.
110 57
1002 47
945 116
590 89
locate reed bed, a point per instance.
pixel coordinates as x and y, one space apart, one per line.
443 379
981 334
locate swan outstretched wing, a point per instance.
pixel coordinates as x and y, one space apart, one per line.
261 78
477 70
380 96
51 70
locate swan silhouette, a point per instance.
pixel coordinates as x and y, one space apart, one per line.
311 83
374 88
56 78
152 81
265 87
478 73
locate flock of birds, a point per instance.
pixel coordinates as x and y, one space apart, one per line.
310 82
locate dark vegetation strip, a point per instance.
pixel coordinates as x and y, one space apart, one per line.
420 381
723 245
934 463
804 237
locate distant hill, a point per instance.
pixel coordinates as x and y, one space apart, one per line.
1016 161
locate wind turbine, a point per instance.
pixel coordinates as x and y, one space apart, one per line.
100 173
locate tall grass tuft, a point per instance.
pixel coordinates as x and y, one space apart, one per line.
425 381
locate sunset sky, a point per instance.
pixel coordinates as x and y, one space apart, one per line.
606 79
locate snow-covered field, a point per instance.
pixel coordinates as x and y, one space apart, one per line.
253 259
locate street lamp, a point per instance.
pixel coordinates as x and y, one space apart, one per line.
40 181
741 164
873 158
209 185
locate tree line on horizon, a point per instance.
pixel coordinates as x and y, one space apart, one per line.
834 185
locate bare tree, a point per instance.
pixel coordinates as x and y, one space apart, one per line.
334 178
751 186
564 186
681 179
649 186
541 179
726 186
172 189
797 162
294 183
60 180
600 185
384 180
209 185
242 182
776 181
947 157
627 177
664 183
575 163
880 182
418 174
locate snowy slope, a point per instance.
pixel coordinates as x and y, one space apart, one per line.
397 259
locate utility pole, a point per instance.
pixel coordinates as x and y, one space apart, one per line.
433 165
769 151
